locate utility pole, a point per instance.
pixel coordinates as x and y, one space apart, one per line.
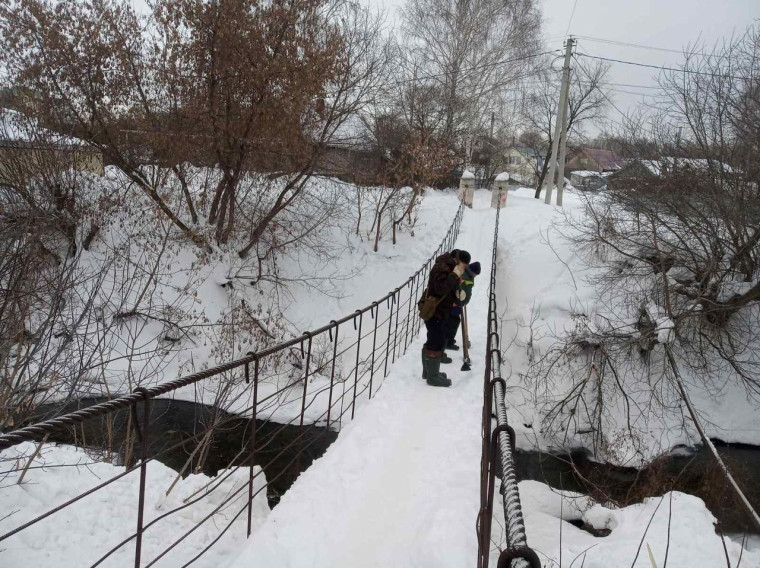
563 143
493 146
559 130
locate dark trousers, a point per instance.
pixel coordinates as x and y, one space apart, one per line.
452 325
437 334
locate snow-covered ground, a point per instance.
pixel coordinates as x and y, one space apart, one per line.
149 306
86 530
400 486
673 530
542 284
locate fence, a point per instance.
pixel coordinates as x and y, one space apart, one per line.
499 444
378 334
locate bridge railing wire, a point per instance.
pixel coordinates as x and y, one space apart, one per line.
499 450
360 349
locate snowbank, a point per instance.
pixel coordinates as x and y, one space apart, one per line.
80 534
677 526
546 290
163 308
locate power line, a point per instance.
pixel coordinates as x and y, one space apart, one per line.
475 67
575 5
596 86
663 68
649 47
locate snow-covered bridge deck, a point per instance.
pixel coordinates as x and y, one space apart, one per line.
401 485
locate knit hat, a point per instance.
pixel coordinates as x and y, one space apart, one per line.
461 255
475 268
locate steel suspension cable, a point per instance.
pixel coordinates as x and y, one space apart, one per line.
499 444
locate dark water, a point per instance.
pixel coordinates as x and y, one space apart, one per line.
690 471
284 451
176 427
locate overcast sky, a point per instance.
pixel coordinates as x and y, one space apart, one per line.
668 24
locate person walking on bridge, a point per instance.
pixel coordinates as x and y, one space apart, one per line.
443 285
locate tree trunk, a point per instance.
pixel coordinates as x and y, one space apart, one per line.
186 192
542 175
377 231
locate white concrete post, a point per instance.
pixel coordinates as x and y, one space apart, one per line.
467 188
499 192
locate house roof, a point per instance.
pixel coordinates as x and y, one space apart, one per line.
667 162
605 158
586 173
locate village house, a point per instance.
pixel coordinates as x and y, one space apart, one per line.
522 163
636 171
591 159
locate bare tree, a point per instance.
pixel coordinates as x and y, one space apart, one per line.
470 51
244 85
675 250
588 102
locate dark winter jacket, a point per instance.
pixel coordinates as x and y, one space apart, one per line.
444 284
466 284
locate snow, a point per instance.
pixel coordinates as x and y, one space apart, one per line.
210 298
81 533
545 289
468 175
400 486
15 127
681 528
586 173
503 176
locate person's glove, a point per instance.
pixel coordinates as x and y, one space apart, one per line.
459 269
462 295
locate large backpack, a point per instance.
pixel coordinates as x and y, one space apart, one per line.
427 305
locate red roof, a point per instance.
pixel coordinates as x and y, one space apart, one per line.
606 159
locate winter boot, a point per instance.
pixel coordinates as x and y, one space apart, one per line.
452 345
424 369
445 359
433 367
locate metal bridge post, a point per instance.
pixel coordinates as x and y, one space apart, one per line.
332 370
391 302
252 442
395 329
375 311
143 433
411 288
303 398
356 365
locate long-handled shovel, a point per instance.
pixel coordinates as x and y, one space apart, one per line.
465 341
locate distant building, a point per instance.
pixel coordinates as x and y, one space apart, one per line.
26 150
523 163
587 180
590 159
636 171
